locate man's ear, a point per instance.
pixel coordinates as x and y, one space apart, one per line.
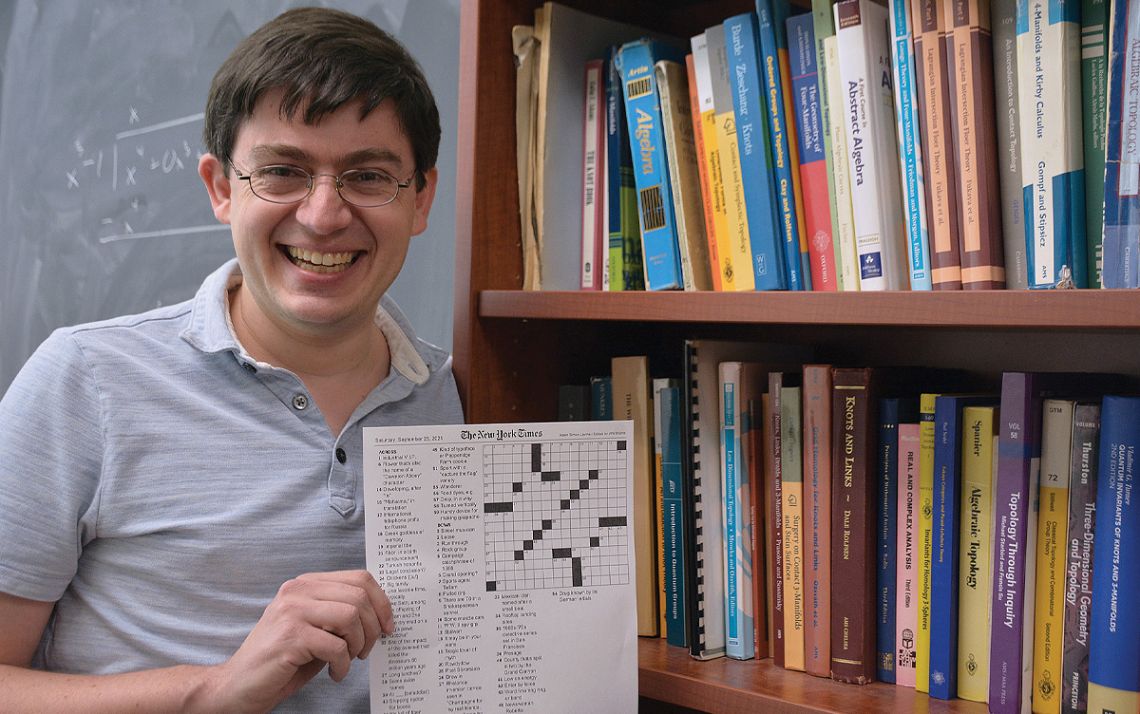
424 198
217 185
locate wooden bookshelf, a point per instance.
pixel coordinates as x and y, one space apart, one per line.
512 348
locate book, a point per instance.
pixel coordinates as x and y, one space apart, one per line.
632 401
672 410
939 166
737 241
1121 242
711 251
906 601
525 46
792 493
946 502
1114 641
910 146
969 64
771 28
774 513
655 386
854 462
757 178
625 271
1094 117
1079 558
817 433
1052 158
1003 24
601 399
1052 539
752 438
827 74
573 402
660 251
681 154
864 64
924 538
711 174
738 383
593 169
807 112
979 439
892 412
846 256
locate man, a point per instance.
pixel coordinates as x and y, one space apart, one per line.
181 506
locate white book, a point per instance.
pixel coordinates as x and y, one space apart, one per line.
593 169
846 255
868 108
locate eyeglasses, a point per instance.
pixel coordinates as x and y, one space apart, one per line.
366 188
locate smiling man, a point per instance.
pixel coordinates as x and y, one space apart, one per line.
181 506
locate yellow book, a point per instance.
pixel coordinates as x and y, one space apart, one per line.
925 538
979 434
793 516
1052 539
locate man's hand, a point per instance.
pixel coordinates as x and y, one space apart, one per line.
314 620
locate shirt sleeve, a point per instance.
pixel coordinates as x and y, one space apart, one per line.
51 448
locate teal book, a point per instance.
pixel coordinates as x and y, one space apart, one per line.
601 399
1094 100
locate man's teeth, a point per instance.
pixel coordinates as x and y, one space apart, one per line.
320 262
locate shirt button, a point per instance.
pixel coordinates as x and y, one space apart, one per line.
300 402
249 367
340 455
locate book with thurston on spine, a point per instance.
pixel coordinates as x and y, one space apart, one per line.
906 600
817 432
1003 24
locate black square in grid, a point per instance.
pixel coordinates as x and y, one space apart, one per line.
595 541
516 487
492 586
565 505
584 484
547 524
594 474
528 545
621 445
574 495
518 555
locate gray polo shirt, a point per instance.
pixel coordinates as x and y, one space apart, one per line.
161 484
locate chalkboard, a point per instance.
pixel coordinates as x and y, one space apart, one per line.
103 212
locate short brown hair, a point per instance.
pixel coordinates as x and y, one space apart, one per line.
322 59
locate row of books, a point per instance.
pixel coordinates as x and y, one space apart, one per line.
854 524
852 145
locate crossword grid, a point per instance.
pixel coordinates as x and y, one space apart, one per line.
555 514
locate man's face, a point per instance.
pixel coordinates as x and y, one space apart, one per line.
278 245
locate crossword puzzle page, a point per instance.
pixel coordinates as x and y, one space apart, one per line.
507 553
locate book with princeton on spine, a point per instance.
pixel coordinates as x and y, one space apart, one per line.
854 465
671 407
1052 156
702 169
924 538
737 384
1079 558
969 60
792 493
774 513
594 239
910 146
939 166
807 103
823 27
846 256
1114 657
864 64
906 601
979 424
681 153
817 479
1094 108
1121 246
1003 23
758 180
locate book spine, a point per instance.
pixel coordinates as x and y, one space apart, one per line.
735 547
1018 460
782 9
826 74
703 174
681 153
1078 571
661 260
853 632
792 492
593 158
939 166
1094 105
1114 656
887 537
779 135
674 536
774 509
846 256
1003 21
910 146
817 462
655 387
1121 242
752 437
810 133
969 54
767 258
601 399
906 601
864 54
925 537
975 571
616 162
717 210
1052 160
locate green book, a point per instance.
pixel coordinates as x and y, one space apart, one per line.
1094 89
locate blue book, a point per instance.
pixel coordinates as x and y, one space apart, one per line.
771 31
737 541
673 538
944 541
625 271
1121 244
892 412
601 399
755 155
1114 639
660 252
